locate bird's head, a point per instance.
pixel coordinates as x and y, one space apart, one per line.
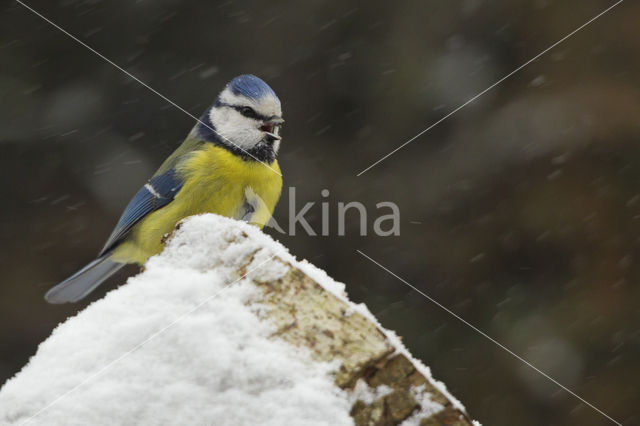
247 116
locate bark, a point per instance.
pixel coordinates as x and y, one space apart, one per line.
308 315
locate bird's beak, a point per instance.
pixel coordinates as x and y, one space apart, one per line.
271 128
276 121
272 136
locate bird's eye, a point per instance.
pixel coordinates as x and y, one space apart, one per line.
247 111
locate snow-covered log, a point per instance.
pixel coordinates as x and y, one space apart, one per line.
226 327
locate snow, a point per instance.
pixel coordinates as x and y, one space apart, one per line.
427 407
183 343
365 393
210 360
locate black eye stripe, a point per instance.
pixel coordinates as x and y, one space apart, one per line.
246 111
249 112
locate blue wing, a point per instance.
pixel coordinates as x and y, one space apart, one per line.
157 193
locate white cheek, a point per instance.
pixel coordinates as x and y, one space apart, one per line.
235 128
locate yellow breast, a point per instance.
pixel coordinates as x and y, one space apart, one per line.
215 181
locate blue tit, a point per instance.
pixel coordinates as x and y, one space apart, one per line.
227 165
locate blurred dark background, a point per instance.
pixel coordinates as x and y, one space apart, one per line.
521 213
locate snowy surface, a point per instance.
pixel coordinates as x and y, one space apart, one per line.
182 343
210 361
427 407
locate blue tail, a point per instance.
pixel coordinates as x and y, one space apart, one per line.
84 281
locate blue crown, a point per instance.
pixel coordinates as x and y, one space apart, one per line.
251 87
